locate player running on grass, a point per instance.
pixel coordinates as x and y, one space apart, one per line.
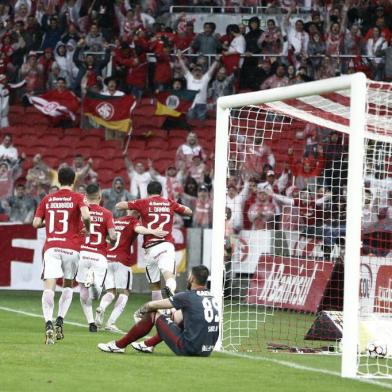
119 274
158 212
60 213
195 328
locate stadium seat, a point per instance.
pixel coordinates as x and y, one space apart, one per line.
105 152
175 142
59 152
85 151
136 144
158 143
105 177
91 140
71 140
73 132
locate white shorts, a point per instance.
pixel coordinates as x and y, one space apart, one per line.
160 258
60 263
119 276
96 263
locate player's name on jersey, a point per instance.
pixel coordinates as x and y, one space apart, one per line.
60 205
96 218
158 209
203 293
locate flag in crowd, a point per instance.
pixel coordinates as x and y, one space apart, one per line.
111 112
57 104
174 103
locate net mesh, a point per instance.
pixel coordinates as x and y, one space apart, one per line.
286 228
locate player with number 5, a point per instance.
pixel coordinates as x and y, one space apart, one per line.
158 212
60 213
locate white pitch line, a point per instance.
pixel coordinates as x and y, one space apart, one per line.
294 365
40 316
289 364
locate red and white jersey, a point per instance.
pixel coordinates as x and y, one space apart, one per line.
61 213
101 222
156 211
121 251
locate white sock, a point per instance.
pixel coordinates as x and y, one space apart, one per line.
172 284
156 295
65 301
86 303
48 304
118 308
106 300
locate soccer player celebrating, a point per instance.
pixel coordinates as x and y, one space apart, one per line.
93 265
157 212
119 274
60 213
197 311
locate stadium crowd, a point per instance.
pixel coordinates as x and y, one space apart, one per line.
148 51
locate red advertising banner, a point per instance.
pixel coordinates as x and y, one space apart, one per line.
289 283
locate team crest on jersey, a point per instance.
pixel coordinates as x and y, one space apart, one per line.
105 110
172 101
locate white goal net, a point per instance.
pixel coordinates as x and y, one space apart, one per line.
306 196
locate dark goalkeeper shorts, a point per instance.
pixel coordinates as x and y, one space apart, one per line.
171 334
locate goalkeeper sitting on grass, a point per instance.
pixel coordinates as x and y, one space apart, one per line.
192 329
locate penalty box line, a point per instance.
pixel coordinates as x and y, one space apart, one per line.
288 364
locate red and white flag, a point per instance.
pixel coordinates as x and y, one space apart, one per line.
57 104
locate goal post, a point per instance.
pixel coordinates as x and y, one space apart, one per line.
273 116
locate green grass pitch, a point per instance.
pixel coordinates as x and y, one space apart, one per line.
75 364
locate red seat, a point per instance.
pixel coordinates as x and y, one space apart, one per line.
85 151
159 143
106 177
60 153
71 140
91 140
175 142
137 144
105 152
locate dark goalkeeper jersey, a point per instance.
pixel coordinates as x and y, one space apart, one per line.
201 320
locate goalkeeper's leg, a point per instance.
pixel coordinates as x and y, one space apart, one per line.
142 328
156 339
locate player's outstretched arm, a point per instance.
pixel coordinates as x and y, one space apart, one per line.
122 205
38 222
187 211
156 232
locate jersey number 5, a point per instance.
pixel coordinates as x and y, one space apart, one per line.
209 305
93 231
